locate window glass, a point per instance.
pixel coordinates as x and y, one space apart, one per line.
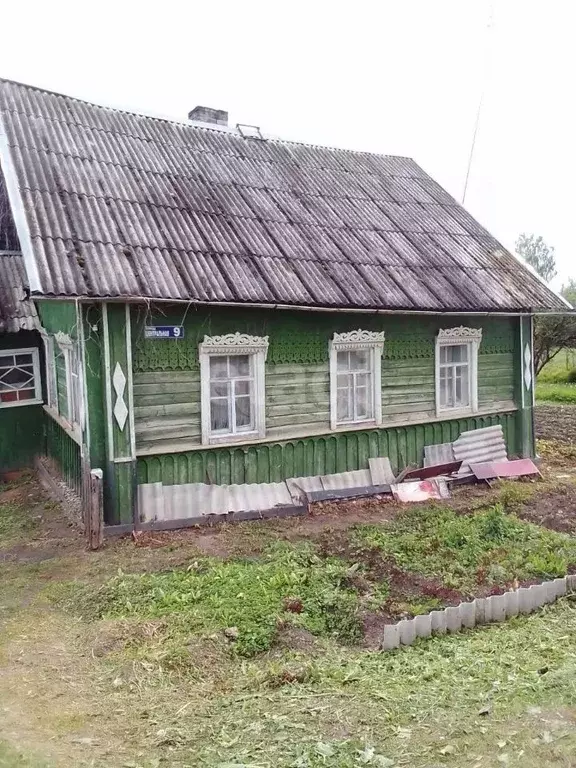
19 380
231 394
354 391
454 376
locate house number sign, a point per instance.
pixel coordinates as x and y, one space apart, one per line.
164 332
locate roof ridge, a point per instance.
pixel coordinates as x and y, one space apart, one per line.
195 126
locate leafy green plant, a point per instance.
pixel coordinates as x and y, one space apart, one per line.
289 584
489 547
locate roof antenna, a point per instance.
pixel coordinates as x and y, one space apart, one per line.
487 62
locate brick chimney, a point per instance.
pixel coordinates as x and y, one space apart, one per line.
209 115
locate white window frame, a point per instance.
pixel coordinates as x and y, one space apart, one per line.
234 344
75 405
471 338
373 341
33 351
50 367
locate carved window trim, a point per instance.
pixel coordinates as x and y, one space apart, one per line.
74 381
234 344
373 341
50 367
459 336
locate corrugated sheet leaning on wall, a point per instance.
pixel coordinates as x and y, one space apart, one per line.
323 455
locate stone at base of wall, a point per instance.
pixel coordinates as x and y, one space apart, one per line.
480 611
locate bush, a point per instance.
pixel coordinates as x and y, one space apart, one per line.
571 376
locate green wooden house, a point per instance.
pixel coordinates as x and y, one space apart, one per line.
220 309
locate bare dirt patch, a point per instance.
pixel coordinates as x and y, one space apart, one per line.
556 422
554 509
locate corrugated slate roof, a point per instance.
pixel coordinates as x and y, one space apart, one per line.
17 312
123 205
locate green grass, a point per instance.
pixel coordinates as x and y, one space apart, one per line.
325 594
15 521
555 393
288 584
557 371
557 380
465 551
496 695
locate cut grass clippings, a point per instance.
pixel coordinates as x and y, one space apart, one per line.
15 521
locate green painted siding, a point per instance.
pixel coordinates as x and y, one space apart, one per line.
21 436
60 316
345 451
167 379
64 452
21 427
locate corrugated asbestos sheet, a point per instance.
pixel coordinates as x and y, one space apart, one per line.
16 311
119 204
158 502
480 445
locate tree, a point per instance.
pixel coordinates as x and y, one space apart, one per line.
539 255
552 333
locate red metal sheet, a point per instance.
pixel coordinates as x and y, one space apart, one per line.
493 469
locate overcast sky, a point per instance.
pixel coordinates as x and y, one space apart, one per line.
397 77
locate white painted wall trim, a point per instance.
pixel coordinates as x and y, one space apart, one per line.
108 382
18 212
234 344
71 431
472 338
50 367
373 341
130 382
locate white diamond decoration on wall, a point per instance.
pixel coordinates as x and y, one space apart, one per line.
527 367
120 409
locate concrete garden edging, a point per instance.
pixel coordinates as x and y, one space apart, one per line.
482 610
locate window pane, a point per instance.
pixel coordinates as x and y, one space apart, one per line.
359 360
239 365
361 403
243 412
219 415
219 389
243 386
462 389
342 405
343 380
218 367
15 378
24 359
342 361
446 392
457 353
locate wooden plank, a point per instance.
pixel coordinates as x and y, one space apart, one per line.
292 420
165 398
166 377
192 386
181 410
